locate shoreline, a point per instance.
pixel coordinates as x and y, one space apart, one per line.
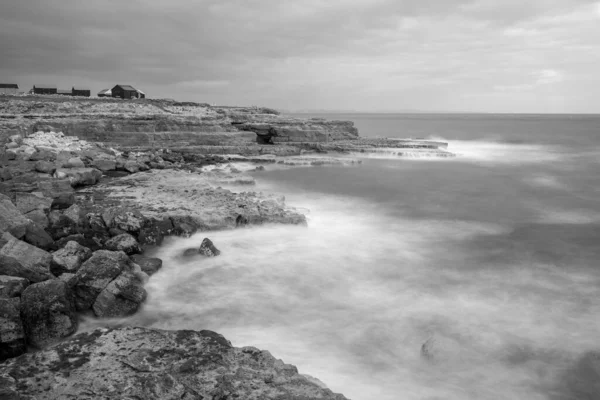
76 237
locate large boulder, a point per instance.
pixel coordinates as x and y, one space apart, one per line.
125 219
12 286
38 237
18 258
122 296
39 218
12 335
96 273
11 219
143 363
123 242
69 259
149 265
48 312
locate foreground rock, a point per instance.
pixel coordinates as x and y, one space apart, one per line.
12 335
21 259
141 363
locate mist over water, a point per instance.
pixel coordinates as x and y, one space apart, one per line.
491 258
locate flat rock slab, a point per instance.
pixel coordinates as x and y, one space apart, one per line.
156 364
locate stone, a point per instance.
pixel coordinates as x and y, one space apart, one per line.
74 162
80 176
121 297
59 190
104 165
28 202
12 286
189 252
38 237
77 215
150 234
31 263
43 155
241 221
12 334
69 259
5 174
60 225
48 312
132 166
208 249
11 219
125 219
39 218
96 273
149 265
144 363
124 242
46 167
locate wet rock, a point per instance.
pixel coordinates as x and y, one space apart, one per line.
104 165
121 297
96 273
18 258
48 312
149 265
241 221
46 167
59 225
208 249
142 363
12 334
38 237
124 242
11 219
183 226
12 286
190 252
69 259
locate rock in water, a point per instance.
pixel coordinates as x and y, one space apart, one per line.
121 297
241 220
208 249
12 335
142 363
48 312
149 265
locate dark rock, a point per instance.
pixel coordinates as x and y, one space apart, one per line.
121 297
60 225
5 174
12 335
11 219
48 312
59 190
183 226
39 218
115 232
18 258
63 200
150 234
77 215
241 221
38 237
96 273
86 240
28 202
12 286
149 265
208 249
125 243
46 167
143 363
189 252
69 259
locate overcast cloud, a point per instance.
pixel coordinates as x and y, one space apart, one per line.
370 55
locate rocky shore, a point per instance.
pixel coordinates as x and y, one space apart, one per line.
78 212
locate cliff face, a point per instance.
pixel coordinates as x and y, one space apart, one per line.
108 119
140 363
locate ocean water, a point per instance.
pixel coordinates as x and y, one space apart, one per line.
476 277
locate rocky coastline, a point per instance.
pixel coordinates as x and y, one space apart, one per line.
86 186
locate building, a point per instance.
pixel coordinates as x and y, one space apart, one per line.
125 92
11 88
44 89
142 95
105 93
64 92
81 91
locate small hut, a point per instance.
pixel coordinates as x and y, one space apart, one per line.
81 91
64 92
105 93
10 88
125 92
44 89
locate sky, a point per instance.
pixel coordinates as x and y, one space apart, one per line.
530 56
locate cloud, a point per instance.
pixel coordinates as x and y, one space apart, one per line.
360 54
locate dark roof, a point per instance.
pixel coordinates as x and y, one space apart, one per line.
9 86
127 87
80 88
44 86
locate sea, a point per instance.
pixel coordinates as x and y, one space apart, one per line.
473 277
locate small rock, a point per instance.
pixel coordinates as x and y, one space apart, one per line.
124 242
208 249
75 162
46 167
48 312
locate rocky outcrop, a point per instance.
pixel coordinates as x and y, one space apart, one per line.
156 364
48 312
